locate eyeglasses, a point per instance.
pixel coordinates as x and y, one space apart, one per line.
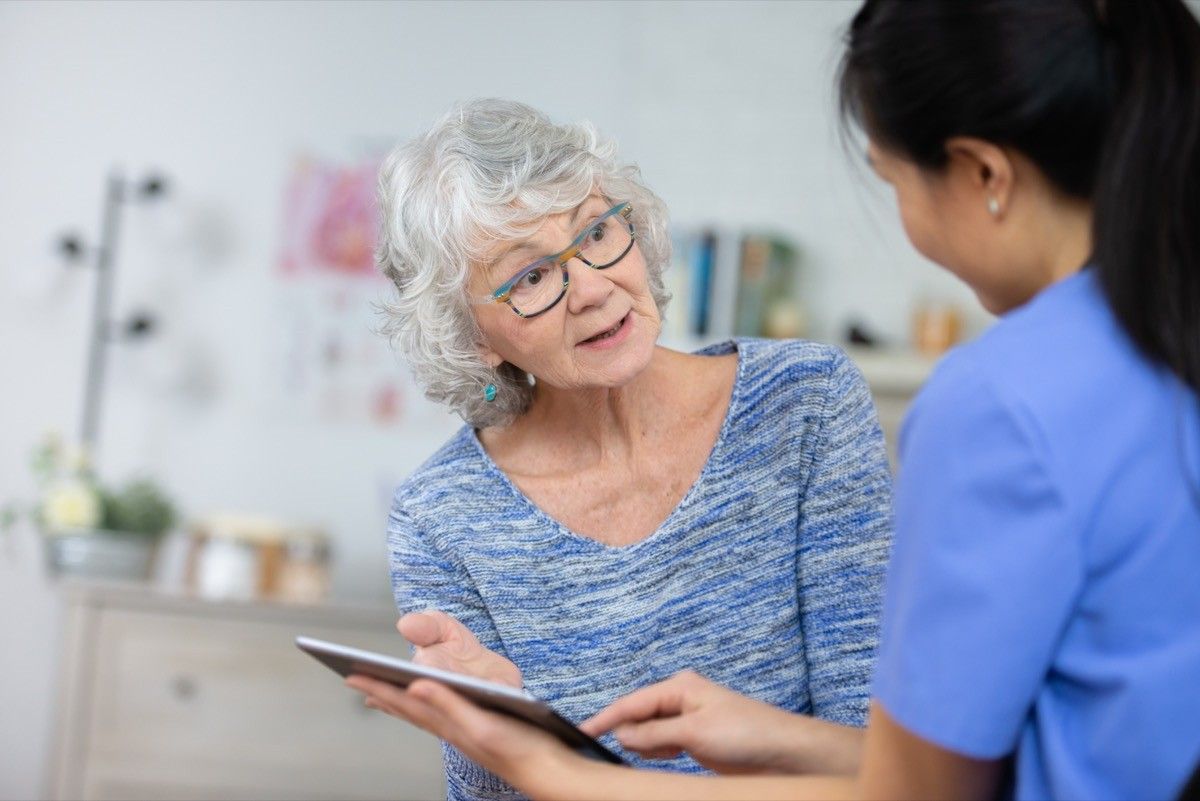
537 288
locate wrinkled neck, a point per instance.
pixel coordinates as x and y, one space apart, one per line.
601 423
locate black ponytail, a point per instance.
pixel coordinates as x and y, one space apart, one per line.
1147 201
1102 95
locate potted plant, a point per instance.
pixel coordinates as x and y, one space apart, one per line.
90 530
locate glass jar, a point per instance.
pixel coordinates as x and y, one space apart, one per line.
304 573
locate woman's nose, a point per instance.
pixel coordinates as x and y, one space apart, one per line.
588 287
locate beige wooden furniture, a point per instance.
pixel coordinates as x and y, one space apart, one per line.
170 697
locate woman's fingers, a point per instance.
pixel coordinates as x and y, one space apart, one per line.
415 708
381 693
504 745
428 704
444 643
435 657
427 628
455 711
657 739
656 701
363 684
497 742
430 711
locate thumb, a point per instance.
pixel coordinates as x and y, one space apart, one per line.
424 628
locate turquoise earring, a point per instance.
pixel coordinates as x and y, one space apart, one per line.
489 393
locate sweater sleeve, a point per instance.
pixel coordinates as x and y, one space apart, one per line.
845 535
425 577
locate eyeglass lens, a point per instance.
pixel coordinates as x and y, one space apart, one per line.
601 245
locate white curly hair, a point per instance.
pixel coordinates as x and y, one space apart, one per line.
490 170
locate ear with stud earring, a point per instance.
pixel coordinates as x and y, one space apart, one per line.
489 393
993 206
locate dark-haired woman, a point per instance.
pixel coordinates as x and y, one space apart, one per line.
1042 602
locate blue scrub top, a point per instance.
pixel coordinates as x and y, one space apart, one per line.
1044 590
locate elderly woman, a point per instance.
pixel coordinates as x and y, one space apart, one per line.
615 512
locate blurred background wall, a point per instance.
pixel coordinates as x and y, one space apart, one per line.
727 107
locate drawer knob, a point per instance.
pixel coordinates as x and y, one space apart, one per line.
184 688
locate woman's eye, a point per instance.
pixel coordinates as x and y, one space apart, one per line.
534 277
596 234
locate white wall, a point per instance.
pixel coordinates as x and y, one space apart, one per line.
726 106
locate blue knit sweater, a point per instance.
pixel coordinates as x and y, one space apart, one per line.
766 578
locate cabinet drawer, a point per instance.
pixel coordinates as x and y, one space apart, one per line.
235 703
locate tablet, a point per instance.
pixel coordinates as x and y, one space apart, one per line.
497 697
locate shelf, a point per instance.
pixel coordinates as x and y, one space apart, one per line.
892 371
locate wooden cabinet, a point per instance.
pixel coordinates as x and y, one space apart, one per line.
167 697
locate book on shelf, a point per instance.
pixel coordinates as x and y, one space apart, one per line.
766 289
702 263
729 282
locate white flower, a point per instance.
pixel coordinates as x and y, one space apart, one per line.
71 504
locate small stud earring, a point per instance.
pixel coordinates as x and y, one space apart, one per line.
993 206
489 393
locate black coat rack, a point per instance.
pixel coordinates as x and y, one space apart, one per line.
118 191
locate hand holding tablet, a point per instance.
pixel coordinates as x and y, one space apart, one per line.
348 661
440 641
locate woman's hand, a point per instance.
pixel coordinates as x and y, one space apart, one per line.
531 760
725 731
442 642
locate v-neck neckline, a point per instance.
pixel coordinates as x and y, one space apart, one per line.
718 349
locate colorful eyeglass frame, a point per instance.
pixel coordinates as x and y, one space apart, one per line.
503 292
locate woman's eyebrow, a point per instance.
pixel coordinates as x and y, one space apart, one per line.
527 246
579 209
516 247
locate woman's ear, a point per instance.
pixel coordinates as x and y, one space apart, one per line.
983 168
489 356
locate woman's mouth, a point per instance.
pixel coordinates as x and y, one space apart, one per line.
610 334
